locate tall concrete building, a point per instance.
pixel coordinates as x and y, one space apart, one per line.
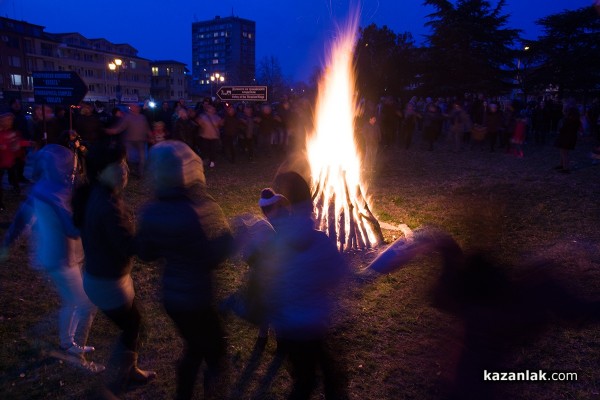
223 53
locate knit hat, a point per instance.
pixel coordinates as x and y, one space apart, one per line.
268 197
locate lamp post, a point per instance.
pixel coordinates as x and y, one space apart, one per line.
522 71
115 65
216 77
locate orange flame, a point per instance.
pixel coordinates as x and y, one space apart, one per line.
339 190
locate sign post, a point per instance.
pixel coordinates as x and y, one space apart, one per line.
243 93
58 87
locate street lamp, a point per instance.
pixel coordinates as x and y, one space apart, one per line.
216 77
522 66
116 65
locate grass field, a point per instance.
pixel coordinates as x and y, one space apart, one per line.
413 334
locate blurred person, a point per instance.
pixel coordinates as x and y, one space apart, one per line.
232 127
540 122
62 118
432 124
302 282
46 128
23 127
107 232
210 123
509 123
460 122
184 226
158 133
100 111
409 124
72 141
9 151
165 114
134 130
287 116
518 136
252 234
388 116
372 139
185 128
58 251
268 130
88 124
248 136
494 124
567 138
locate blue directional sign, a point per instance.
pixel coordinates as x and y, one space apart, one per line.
58 87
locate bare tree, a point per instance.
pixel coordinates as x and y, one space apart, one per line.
269 73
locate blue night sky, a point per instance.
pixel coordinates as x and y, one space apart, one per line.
296 32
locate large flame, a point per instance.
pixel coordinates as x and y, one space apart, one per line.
339 190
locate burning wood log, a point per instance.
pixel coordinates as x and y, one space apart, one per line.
351 226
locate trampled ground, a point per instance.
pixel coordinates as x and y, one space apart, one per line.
530 304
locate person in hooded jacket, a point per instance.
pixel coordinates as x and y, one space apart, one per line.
58 251
301 283
184 226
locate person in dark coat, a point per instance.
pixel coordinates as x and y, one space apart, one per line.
432 124
107 233
567 137
493 123
88 125
184 226
232 128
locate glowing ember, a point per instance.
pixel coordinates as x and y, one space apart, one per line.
339 191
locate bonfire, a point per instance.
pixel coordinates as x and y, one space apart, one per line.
339 188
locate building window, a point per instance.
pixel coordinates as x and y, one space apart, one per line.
13 42
154 71
215 61
47 50
29 46
14 61
15 80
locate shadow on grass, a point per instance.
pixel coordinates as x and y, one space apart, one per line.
247 376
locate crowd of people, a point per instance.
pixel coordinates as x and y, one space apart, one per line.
86 239
484 122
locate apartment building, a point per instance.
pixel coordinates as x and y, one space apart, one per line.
223 52
26 48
